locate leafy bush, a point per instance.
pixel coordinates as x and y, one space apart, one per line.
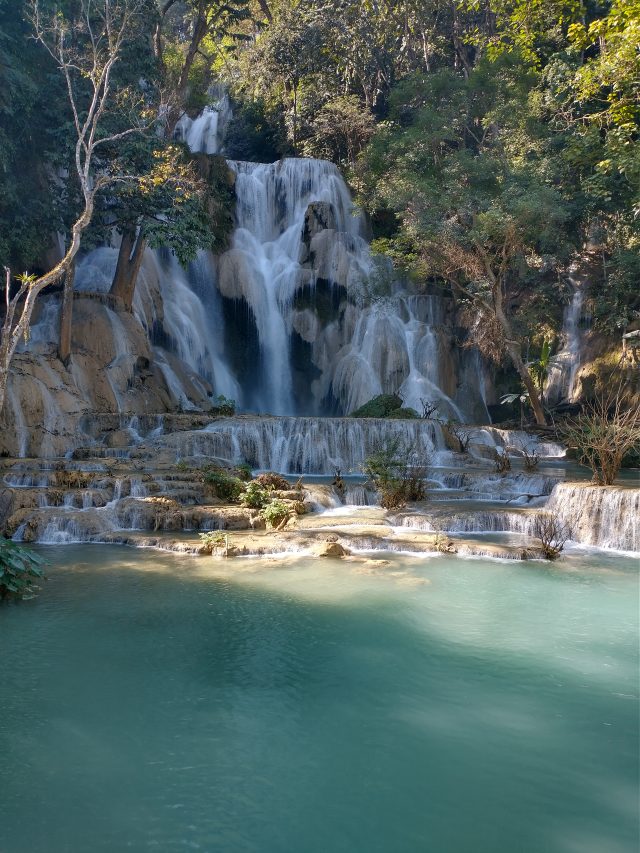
255 495
379 407
272 481
224 406
396 474
403 413
244 471
223 485
213 540
20 568
276 512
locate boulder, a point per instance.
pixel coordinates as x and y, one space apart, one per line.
330 548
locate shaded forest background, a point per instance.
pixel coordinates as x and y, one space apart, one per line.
493 145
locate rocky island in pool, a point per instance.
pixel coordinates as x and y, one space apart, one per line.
319 427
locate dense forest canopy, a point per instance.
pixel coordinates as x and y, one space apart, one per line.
493 143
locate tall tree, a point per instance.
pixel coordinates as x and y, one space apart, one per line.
462 168
195 24
86 49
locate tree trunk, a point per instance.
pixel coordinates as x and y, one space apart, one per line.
514 352
200 30
461 53
266 11
129 260
513 347
66 316
295 120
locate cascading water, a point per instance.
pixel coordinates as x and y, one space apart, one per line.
205 134
606 516
282 322
300 264
565 365
308 445
263 266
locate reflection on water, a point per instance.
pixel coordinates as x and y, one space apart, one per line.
158 702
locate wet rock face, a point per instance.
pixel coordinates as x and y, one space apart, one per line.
113 370
320 216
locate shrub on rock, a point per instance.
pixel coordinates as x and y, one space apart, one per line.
403 413
255 495
379 407
224 486
273 482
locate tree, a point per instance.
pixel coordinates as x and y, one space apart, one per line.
552 533
340 130
198 25
396 473
289 51
179 201
86 50
32 114
462 164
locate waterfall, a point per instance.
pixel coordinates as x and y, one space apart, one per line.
205 134
20 424
263 266
307 445
564 366
605 516
301 266
287 321
478 521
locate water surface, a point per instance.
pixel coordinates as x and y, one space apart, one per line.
159 702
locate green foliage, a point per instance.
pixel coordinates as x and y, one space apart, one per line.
20 570
244 471
212 541
224 486
396 473
256 132
539 367
34 118
339 130
255 495
275 512
379 407
403 413
225 406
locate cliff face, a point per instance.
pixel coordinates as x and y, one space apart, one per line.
605 364
113 370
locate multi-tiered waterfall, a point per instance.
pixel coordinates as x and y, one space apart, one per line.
298 282
296 320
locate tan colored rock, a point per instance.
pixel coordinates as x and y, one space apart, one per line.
330 549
